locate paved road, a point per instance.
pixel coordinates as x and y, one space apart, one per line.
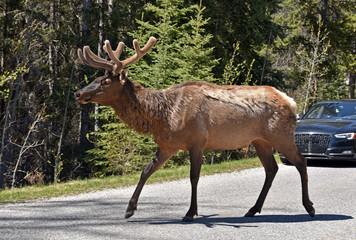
223 200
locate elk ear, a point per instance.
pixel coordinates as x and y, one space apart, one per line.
124 74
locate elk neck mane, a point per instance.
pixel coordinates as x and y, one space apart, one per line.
145 110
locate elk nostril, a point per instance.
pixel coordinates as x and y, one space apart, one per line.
77 94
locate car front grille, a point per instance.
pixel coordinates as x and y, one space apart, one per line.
312 143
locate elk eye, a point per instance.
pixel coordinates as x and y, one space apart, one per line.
105 82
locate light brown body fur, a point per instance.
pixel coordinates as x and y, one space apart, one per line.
223 117
198 116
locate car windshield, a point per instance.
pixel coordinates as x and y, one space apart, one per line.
344 110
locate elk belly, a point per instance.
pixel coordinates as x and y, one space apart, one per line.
231 137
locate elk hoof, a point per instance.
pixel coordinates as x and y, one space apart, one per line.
250 214
129 214
312 212
187 219
310 209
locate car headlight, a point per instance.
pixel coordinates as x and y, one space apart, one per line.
345 135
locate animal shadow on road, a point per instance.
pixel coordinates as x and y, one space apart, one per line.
213 220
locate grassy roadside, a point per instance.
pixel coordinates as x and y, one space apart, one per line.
87 185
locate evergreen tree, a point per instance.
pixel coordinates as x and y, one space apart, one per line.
196 61
181 52
248 22
118 149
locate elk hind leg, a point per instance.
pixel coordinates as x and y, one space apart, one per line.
292 154
265 153
196 157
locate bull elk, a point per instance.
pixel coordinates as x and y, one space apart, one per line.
197 116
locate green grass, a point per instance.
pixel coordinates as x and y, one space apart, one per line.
73 187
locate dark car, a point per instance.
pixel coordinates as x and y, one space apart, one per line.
327 131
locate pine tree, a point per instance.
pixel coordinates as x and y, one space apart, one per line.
181 52
119 150
196 61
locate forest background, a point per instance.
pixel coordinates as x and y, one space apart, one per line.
305 48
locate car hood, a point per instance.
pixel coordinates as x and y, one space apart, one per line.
326 126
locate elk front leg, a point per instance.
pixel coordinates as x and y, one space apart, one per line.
161 157
265 153
196 157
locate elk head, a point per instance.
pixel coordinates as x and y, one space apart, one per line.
106 88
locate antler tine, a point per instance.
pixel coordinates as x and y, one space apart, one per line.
81 57
97 62
119 49
140 52
117 52
115 56
90 59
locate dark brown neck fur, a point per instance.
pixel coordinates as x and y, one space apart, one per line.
143 109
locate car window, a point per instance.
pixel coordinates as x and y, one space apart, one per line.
332 110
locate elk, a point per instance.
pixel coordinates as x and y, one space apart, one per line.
197 116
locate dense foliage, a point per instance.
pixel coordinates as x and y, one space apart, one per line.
306 48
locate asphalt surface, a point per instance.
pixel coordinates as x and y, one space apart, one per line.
222 202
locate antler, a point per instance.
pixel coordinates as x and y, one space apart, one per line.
115 65
89 58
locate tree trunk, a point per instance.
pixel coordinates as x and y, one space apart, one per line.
318 51
7 108
266 55
3 47
110 6
5 140
85 19
100 42
84 121
311 77
51 49
6 147
57 160
25 146
352 80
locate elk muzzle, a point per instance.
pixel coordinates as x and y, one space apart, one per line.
86 94
79 96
